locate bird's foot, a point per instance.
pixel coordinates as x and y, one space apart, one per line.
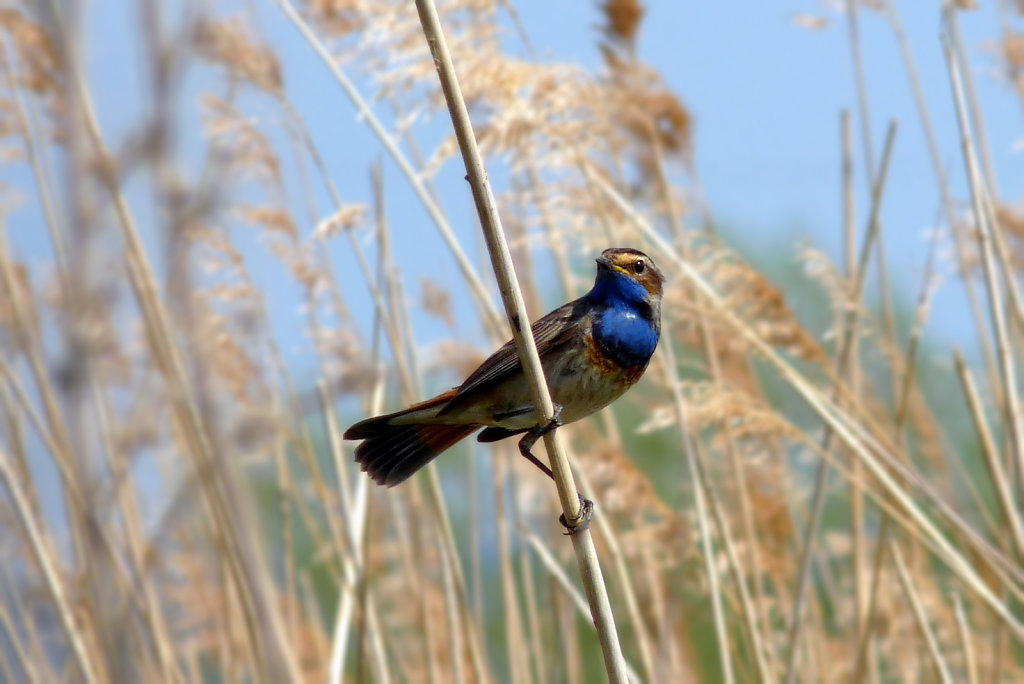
582 520
555 422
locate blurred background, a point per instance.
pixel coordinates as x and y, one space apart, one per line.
232 229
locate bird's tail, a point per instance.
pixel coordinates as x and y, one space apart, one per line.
390 453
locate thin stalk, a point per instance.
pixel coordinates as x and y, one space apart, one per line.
37 652
35 536
842 370
514 641
762 647
421 535
355 514
381 309
664 614
1004 351
534 634
566 639
966 642
55 429
922 618
264 628
988 175
948 204
411 390
764 673
35 157
480 293
20 654
497 247
860 443
990 454
864 114
451 613
711 567
857 469
568 589
450 553
864 637
625 583
153 614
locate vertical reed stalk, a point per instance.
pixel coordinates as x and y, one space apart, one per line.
586 554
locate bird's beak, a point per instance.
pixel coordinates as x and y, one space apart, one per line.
604 263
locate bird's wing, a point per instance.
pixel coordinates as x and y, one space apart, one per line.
550 332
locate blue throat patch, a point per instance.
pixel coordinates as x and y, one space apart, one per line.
622 329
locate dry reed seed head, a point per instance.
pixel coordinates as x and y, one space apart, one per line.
93 332
454 357
544 117
624 491
721 406
240 145
751 296
930 446
41 67
395 580
225 348
338 18
301 262
1011 223
645 107
275 220
872 5
972 261
214 253
811 22
820 268
10 127
348 217
133 436
437 301
312 647
514 103
9 324
195 583
1012 49
664 114
773 521
622 19
394 55
227 42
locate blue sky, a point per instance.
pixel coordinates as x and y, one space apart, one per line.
765 95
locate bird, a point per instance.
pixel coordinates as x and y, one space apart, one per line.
591 350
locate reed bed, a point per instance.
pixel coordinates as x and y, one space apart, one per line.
793 493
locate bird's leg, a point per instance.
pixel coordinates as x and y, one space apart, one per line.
581 521
535 433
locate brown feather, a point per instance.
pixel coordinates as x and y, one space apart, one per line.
371 427
394 452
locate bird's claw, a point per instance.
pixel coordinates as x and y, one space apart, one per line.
555 422
582 520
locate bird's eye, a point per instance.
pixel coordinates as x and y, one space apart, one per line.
639 266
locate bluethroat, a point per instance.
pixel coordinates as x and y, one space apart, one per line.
592 350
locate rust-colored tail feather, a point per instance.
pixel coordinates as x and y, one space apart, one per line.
390 454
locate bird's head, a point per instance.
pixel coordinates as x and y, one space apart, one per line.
628 274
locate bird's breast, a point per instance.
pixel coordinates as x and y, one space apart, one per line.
586 381
625 337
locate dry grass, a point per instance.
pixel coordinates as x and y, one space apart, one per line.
175 501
